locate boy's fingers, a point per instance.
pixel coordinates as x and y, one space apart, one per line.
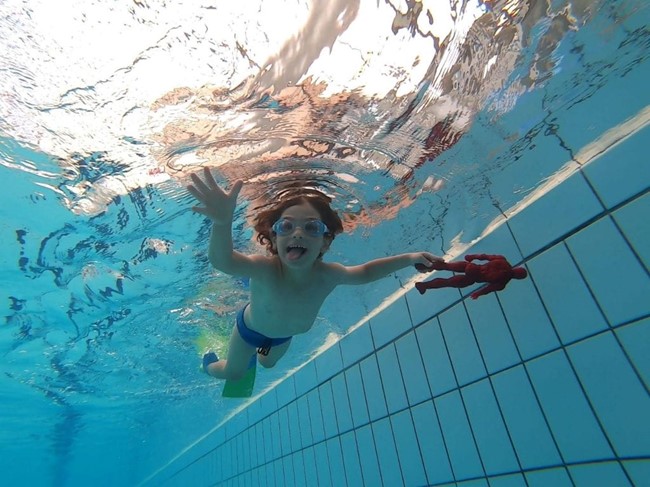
196 193
428 263
236 188
200 209
199 184
209 178
211 182
433 258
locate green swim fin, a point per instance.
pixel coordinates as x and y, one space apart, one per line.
244 386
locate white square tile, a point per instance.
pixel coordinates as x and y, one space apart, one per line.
316 416
425 306
351 460
408 449
432 446
390 323
328 363
557 278
604 473
341 403
634 221
623 171
330 426
335 460
613 273
635 339
412 367
373 388
386 453
356 345
464 352
322 464
456 431
555 215
574 426
496 450
368 456
528 321
305 378
524 419
437 364
492 333
304 421
391 378
358 405
615 392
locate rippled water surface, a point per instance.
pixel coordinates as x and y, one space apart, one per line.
412 115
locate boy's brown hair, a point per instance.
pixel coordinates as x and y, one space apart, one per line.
292 197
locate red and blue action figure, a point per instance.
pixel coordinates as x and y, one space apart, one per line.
497 272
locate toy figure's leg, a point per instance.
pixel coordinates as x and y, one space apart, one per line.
456 281
450 266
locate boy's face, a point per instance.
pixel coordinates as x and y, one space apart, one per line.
299 249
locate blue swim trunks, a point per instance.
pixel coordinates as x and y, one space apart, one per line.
262 342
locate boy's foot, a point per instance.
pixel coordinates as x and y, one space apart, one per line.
208 359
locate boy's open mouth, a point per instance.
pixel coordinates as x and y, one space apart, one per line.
294 252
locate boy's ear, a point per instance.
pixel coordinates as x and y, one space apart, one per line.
327 241
274 241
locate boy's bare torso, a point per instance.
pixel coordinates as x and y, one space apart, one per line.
281 307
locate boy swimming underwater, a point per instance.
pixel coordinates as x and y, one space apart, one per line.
289 286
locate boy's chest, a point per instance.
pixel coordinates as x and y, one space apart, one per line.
293 308
296 299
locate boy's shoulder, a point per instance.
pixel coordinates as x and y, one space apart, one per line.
258 266
331 266
332 271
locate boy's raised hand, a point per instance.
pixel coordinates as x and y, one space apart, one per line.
218 204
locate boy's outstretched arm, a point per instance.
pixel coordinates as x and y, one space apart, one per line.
378 268
219 206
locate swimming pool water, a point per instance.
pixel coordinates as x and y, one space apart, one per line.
532 145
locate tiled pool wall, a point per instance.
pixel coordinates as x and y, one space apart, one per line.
545 383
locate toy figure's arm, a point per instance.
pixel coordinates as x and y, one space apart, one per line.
488 288
471 257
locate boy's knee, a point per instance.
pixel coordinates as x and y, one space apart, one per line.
267 364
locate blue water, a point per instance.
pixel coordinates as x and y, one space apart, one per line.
103 117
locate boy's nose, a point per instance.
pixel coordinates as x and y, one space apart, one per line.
298 231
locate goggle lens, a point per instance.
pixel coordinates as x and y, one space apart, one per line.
313 228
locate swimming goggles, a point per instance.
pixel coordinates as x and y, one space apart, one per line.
313 228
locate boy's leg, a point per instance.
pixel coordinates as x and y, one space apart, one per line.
275 354
236 363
